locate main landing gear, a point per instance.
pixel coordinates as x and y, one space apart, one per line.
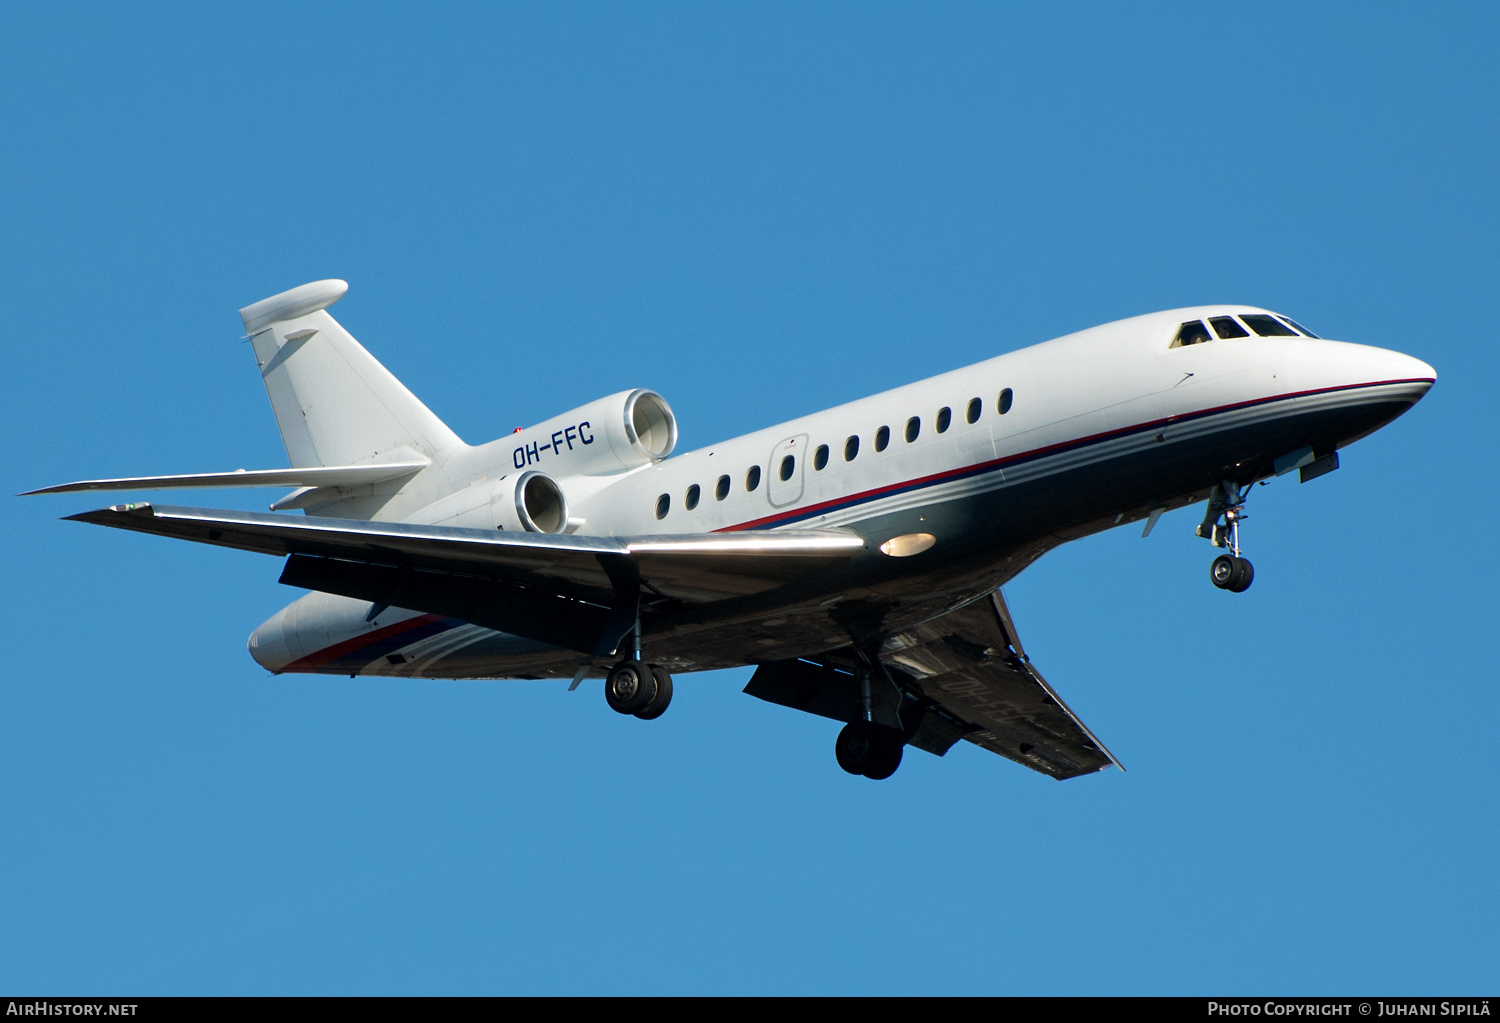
864 746
1227 503
634 687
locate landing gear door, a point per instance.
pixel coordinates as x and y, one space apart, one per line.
784 473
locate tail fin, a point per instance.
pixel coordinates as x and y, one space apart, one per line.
334 403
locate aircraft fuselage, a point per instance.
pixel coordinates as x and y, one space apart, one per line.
956 482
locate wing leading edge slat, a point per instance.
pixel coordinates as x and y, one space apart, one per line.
312 476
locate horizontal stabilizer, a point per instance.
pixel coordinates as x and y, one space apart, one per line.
312 476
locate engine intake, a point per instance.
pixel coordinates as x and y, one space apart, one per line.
532 501
649 420
540 504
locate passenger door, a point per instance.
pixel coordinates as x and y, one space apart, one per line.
784 473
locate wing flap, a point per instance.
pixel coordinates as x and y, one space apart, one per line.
970 662
962 675
497 604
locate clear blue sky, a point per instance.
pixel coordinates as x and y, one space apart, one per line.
758 210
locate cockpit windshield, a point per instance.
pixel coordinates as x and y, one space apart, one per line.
1267 326
1228 326
1299 327
1193 332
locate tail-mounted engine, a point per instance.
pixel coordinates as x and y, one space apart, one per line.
534 502
604 437
530 501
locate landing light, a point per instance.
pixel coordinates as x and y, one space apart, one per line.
908 544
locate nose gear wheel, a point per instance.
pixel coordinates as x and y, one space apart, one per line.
1227 503
1231 573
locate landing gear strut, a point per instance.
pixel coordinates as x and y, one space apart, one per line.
1228 571
864 747
633 686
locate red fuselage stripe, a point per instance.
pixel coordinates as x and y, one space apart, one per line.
995 463
315 660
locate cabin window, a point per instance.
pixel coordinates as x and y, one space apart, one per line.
752 478
691 500
1227 327
851 448
820 457
1006 397
882 438
913 428
721 489
1192 332
1294 323
944 417
663 505
975 407
788 466
1267 326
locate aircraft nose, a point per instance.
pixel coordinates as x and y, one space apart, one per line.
268 643
1384 364
1319 365
1416 369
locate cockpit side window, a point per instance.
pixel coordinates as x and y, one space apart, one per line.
1267 326
1294 323
1227 327
1191 333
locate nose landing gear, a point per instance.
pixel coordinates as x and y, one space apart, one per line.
1227 503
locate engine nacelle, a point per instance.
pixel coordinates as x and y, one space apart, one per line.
530 501
602 438
607 436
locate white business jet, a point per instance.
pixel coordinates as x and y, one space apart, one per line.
854 556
